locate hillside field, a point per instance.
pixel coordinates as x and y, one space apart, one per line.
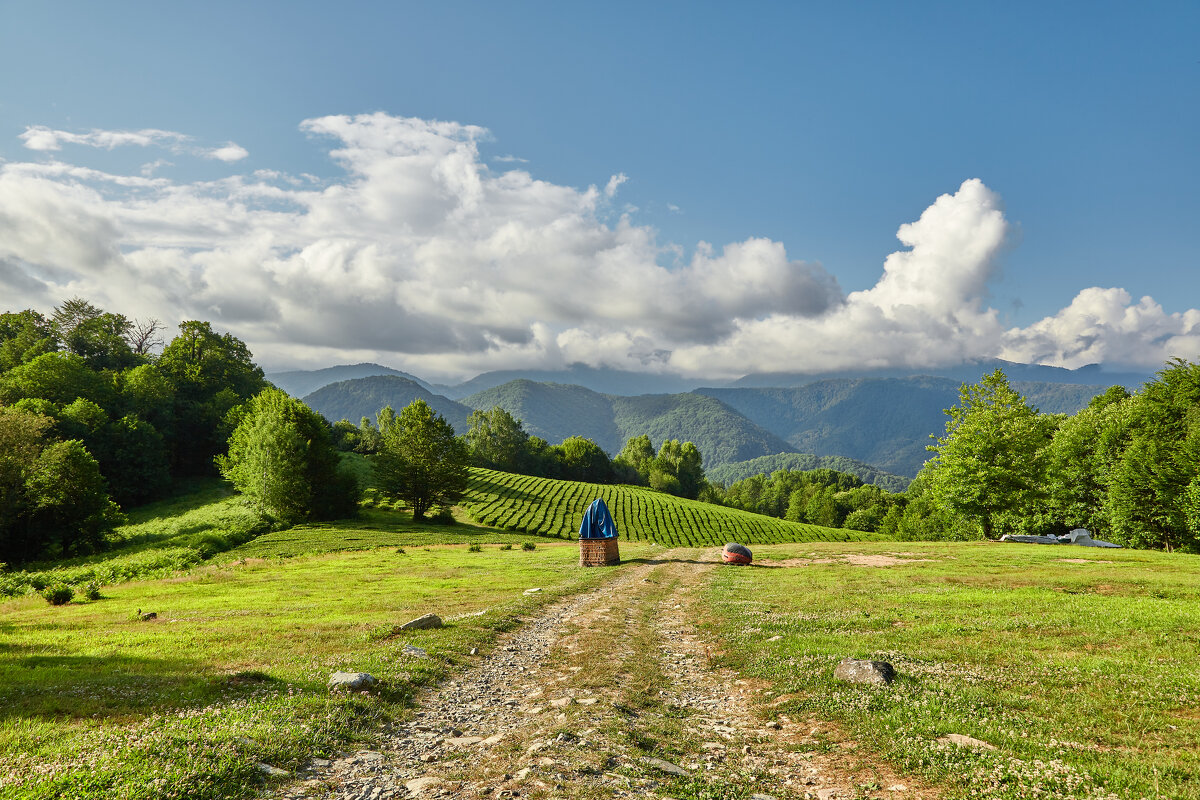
555 508
1073 664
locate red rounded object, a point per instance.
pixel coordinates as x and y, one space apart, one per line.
734 558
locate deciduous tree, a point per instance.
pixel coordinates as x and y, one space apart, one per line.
991 460
420 460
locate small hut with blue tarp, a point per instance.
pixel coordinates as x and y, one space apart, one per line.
598 537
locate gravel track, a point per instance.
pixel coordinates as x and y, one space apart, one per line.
523 721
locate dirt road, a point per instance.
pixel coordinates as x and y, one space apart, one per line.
608 694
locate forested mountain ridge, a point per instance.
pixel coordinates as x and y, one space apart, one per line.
967 372
801 462
555 411
303 382
364 397
882 422
885 422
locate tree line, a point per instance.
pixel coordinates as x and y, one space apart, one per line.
1126 467
93 420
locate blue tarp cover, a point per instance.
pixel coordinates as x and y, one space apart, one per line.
597 522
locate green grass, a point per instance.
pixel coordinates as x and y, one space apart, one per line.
1081 674
555 508
160 539
98 703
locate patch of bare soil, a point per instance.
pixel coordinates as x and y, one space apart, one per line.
613 693
1084 561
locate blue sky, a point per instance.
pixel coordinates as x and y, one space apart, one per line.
799 133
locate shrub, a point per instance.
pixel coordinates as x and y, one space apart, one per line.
400 551
58 595
92 591
443 516
529 546
506 547
474 548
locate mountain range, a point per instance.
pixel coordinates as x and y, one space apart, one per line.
878 426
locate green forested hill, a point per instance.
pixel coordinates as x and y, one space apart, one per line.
302 382
886 422
555 411
765 465
363 397
722 434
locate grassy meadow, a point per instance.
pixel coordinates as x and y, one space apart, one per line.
1077 665
232 672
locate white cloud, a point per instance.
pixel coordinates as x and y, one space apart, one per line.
614 183
43 139
229 152
423 256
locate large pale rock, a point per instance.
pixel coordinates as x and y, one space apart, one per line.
667 767
419 786
421 623
352 681
853 670
967 741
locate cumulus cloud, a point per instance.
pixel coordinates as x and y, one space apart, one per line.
423 256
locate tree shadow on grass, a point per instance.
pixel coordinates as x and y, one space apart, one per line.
34 684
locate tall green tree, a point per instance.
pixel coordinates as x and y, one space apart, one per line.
634 460
498 440
212 373
581 459
53 499
677 469
990 463
1148 494
281 456
420 459
24 336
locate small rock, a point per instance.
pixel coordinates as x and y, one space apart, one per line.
419 785
274 772
546 762
773 725
879 673
464 741
149 615
534 590
320 763
966 741
587 701
896 787
491 740
415 651
761 796
775 639
562 702
474 651
833 793
523 773
352 681
667 767
422 623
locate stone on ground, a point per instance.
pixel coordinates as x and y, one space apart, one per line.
422 623
352 681
854 670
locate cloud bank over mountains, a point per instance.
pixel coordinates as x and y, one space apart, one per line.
423 256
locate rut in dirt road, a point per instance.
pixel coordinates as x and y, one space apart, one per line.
607 694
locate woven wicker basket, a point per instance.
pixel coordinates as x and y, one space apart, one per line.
599 552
